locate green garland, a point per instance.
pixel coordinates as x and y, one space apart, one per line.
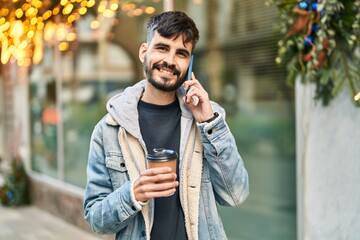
321 43
15 190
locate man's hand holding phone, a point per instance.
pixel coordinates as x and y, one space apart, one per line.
196 98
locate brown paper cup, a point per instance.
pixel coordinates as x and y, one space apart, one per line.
161 157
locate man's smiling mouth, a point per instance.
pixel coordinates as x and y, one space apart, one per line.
167 69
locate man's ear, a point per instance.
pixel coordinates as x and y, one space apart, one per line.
142 52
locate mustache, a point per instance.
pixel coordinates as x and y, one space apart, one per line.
166 65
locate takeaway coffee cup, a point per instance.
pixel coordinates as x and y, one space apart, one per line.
161 157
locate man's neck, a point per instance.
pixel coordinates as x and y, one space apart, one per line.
156 96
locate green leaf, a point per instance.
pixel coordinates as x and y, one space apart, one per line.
338 86
324 76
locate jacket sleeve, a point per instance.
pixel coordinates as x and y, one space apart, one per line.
227 171
106 210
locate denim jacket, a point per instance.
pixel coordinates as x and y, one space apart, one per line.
211 171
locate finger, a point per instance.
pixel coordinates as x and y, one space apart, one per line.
145 196
157 186
154 190
192 98
191 83
162 186
196 95
192 91
163 177
155 171
187 86
195 100
194 82
193 76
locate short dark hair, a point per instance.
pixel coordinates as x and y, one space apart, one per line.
173 23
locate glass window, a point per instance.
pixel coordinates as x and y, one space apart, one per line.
89 74
84 99
44 117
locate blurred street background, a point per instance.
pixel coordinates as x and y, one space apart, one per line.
62 60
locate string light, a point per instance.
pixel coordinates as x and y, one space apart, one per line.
25 25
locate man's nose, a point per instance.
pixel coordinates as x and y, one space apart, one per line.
170 58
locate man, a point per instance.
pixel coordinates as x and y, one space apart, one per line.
124 197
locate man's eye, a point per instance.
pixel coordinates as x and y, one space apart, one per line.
182 54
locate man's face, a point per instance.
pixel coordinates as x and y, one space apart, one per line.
165 61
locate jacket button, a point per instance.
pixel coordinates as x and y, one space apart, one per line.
143 233
122 164
133 208
209 131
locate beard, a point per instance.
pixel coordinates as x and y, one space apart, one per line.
165 83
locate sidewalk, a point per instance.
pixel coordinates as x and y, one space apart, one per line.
32 223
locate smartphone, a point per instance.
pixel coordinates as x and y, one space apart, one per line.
189 71
195 99
190 67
